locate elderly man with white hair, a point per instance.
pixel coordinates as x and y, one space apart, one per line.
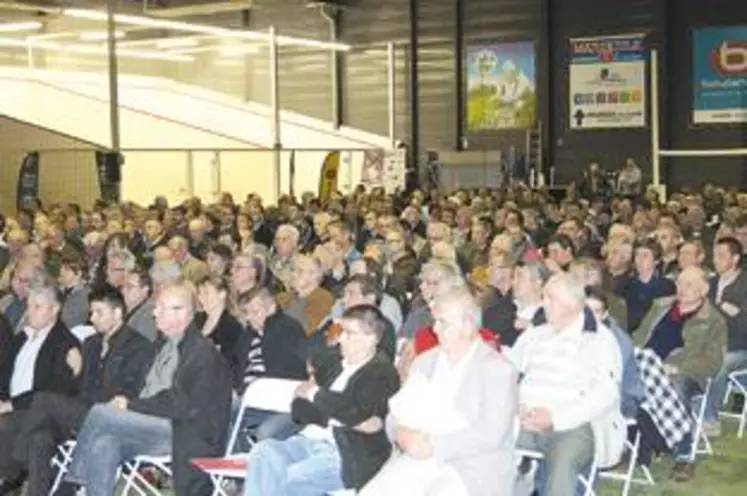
193 269
689 335
453 419
93 244
285 247
569 391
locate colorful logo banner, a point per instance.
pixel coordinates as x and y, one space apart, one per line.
720 75
607 82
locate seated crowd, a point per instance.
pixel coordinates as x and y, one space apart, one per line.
434 341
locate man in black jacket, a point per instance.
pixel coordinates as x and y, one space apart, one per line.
114 363
351 387
182 411
45 356
274 345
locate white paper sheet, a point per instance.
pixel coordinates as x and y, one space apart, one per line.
419 405
267 393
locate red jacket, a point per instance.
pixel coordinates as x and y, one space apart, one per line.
426 338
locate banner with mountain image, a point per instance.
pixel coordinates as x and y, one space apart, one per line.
501 86
607 82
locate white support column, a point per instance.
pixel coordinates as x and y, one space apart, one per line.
655 143
391 88
275 103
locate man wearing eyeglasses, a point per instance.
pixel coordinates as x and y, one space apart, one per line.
343 444
182 410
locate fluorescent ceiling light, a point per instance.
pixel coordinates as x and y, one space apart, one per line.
99 35
176 43
136 20
93 50
13 27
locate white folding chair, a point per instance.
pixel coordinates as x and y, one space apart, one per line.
134 480
219 475
61 461
586 482
701 443
628 476
264 394
737 385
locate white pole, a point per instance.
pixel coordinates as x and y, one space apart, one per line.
190 174
390 82
727 152
655 158
275 102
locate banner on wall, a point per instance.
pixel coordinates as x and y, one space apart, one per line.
607 82
329 176
108 168
501 86
384 168
720 75
28 180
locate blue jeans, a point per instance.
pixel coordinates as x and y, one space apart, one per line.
108 438
261 425
734 360
298 466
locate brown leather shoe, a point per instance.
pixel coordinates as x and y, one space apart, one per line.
682 472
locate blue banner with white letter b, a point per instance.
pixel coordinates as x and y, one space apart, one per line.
720 75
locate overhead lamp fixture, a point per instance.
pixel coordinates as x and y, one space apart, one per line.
136 20
93 50
14 27
167 43
99 35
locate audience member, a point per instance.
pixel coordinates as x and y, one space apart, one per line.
115 361
569 391
474 456
43 357
182 410
343 405
689 335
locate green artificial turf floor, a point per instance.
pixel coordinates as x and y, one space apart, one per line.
723 474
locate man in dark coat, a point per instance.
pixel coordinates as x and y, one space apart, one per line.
350 388
43 357
115 361
182 411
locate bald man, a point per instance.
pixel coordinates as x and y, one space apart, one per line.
689 334
193 269
182 411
